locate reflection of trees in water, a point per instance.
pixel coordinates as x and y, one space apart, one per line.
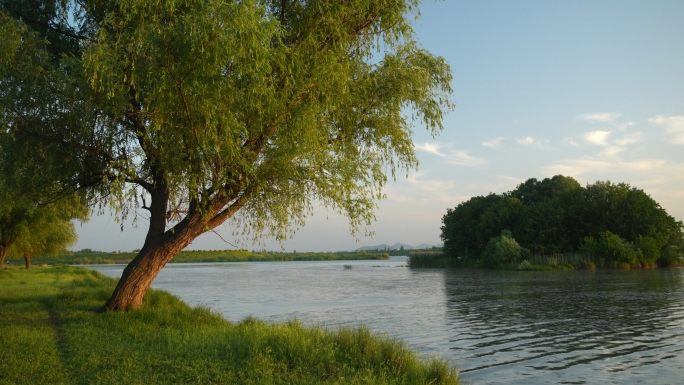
555 320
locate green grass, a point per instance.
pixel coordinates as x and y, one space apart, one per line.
190 256
51 334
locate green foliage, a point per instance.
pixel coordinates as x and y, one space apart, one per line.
194 256
555 216
671 256
502 250
51 334
459 231
213 110
650 252
430 259
614 249
31 222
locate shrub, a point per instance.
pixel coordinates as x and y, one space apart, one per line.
525 265
613 248
670 256
502 250
650 252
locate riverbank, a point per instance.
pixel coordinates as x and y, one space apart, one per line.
199 256
568 261
51 334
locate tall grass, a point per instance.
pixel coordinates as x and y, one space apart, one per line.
431 259
50 333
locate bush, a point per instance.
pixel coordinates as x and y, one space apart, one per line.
503 250
671 256
650 251
614 249
525 265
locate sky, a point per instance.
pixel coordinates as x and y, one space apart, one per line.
588 89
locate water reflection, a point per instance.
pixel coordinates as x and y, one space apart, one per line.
567 327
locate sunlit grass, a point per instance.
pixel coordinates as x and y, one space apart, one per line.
51 333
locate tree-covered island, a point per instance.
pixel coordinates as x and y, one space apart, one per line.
558 223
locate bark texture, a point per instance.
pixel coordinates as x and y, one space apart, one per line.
3 255
27 259
155 254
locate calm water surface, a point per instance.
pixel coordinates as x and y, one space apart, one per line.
497 327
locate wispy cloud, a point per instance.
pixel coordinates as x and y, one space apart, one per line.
578 167
431 148
601 117
611 151
494 143
462 158
627 139
597 137
674 126
455 157
530 141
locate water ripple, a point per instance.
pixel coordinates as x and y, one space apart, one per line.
497 327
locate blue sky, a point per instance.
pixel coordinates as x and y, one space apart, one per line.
588 89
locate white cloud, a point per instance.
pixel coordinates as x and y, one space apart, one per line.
526 141
602 117
597 137
494 143
530 141
462 158
632 138
611 151
431 148
578 167
674 126
456 157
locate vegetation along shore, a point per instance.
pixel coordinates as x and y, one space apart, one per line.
52 334
558 224
88 256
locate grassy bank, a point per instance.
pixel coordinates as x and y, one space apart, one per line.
51 334
194 256
567 261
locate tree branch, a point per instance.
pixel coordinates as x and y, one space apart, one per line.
51 28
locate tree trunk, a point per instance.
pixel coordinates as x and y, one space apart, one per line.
27 259
3 255
162 245
155 254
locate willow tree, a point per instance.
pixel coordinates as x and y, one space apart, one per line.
256 110
30 226
51 232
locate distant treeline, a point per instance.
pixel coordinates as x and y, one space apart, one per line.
603 223
88 256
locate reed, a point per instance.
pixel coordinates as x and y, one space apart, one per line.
431 259
51 333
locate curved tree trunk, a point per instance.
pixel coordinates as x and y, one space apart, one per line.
155 254
162 245
27 259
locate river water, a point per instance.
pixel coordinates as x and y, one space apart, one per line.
496 327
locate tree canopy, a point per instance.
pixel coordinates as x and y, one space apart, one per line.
31 226
558 215
203 110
